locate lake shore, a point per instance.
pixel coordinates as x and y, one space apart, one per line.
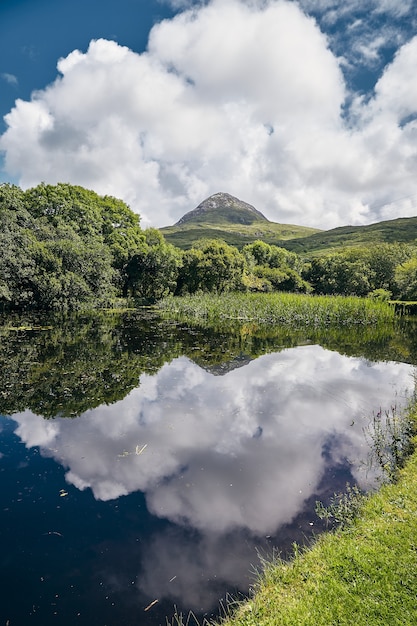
363 574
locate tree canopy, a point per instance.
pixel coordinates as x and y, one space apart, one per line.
63 247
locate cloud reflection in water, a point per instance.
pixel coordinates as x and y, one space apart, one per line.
241 450
234 456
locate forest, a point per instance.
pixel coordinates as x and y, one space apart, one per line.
63 247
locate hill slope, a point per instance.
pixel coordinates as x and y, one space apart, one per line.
400 230
224 217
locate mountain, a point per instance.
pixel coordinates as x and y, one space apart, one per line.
222 208
225 217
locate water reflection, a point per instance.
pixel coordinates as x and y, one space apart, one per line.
230 459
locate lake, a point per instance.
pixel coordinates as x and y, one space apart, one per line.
147 467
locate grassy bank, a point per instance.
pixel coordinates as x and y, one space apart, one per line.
293 310
364 574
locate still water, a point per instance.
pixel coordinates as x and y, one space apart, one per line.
145 466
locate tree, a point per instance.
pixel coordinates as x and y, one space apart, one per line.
406 279
211 265
63 246
273 268
337 274
151 273
283 279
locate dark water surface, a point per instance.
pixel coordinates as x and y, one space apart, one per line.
142 460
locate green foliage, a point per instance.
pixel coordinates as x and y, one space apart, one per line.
275 268
406 279
335 274
285 279
343 507
391 440
63 247
211 266
357 271
151 273
88 215
380 294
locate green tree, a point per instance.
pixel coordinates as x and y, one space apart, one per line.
63 246
406 279
273 268
89 215
383 258
151 273
283 279
211 265
337 274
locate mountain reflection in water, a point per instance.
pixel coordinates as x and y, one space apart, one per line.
225 463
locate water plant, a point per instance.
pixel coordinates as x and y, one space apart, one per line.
292 310
343 507
390 435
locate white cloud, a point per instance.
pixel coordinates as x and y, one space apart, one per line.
243 97
9 78
395 8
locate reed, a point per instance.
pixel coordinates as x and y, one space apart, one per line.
286 309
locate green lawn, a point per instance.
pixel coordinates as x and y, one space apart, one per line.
363 575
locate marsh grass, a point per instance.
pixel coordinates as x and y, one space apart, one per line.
286 309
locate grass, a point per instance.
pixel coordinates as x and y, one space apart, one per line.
363 573
403 229
286 309
303 240
185 235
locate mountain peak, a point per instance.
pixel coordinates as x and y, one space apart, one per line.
220 208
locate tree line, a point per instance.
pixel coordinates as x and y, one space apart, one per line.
63 247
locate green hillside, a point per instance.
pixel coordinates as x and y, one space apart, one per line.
238 235
401 230
222 216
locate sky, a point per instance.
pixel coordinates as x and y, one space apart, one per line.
306 109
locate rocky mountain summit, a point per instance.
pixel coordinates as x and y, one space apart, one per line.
222 208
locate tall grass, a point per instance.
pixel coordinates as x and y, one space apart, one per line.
292 310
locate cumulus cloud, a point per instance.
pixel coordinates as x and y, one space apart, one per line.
235 96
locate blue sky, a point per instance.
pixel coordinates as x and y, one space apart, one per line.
34 34
307 109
